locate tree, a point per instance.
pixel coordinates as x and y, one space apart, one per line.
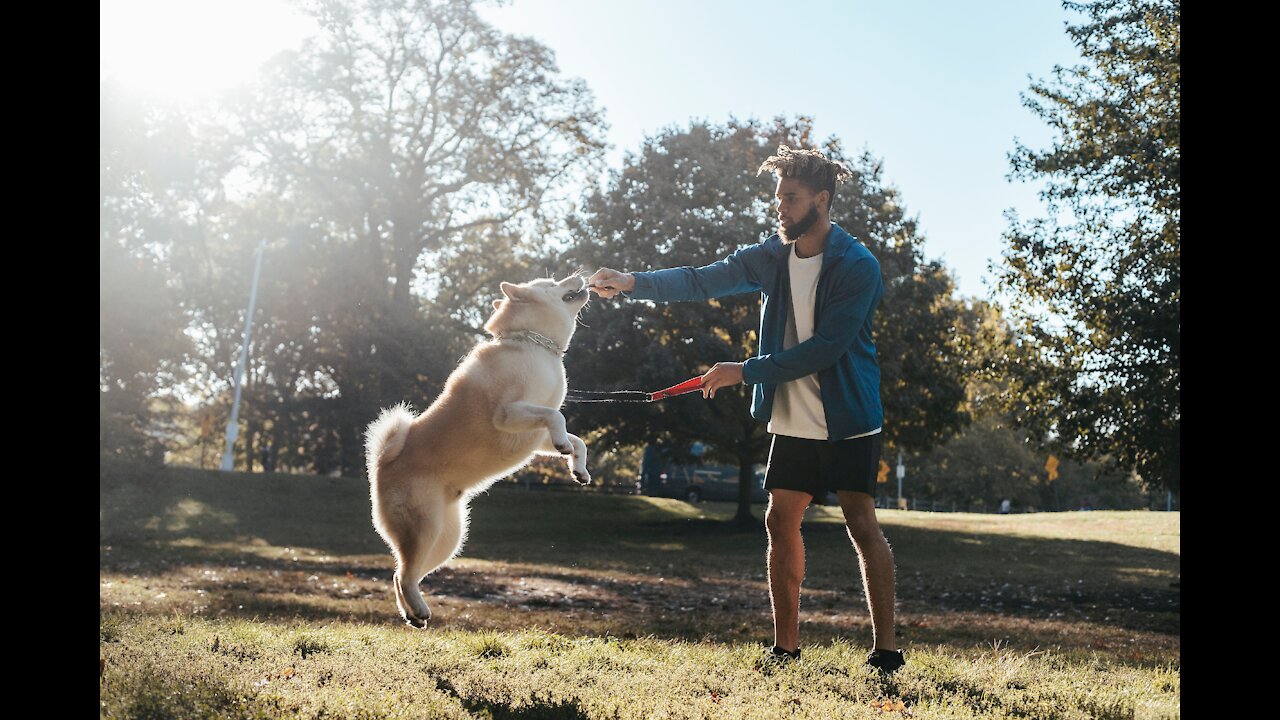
176 255
140 323
691 197
993 459
403 161
1093 288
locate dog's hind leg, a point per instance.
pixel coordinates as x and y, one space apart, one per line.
453 532
435 541
411 567
414 524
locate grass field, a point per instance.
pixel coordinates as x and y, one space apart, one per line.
228 595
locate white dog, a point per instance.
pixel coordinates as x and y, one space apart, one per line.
499 408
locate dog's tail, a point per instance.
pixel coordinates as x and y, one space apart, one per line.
385 437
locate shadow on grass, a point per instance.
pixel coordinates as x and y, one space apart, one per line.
533 709
304 547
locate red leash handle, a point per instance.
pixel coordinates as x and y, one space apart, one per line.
693 384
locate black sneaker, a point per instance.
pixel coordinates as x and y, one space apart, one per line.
780 655
886 661
775 658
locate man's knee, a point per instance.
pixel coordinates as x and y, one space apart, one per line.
780 524
867 536
859 508
860 518
783 523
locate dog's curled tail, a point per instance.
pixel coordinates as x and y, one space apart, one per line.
385 437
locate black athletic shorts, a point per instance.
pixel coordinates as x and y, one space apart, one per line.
821 466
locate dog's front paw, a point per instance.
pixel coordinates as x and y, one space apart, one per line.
583 478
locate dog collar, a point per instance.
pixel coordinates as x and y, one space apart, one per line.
536 339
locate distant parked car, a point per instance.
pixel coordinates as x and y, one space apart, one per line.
660 476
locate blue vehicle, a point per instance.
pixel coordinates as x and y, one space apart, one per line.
661 476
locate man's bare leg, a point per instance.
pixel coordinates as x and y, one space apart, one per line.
786 563
876 560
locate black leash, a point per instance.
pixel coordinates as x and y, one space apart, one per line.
693 384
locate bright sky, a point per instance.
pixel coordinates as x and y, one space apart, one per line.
929 87
191 48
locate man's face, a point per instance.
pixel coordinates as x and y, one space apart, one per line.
797 209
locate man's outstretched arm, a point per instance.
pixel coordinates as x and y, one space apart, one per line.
740 272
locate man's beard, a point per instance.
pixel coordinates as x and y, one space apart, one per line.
792 232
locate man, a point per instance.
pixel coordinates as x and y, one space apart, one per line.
816 380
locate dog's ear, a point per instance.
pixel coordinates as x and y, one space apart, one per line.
515 292
497 303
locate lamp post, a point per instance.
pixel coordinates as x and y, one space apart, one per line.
233 425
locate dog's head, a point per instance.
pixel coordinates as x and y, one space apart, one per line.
548 307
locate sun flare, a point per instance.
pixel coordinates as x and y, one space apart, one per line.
185 49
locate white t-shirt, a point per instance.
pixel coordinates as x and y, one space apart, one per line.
797 405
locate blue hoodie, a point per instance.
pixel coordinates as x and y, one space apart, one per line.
841 350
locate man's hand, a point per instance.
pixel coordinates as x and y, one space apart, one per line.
608 283
721 375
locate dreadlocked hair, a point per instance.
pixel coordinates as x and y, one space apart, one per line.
810 167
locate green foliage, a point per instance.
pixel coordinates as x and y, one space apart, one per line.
993 459
1093 289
